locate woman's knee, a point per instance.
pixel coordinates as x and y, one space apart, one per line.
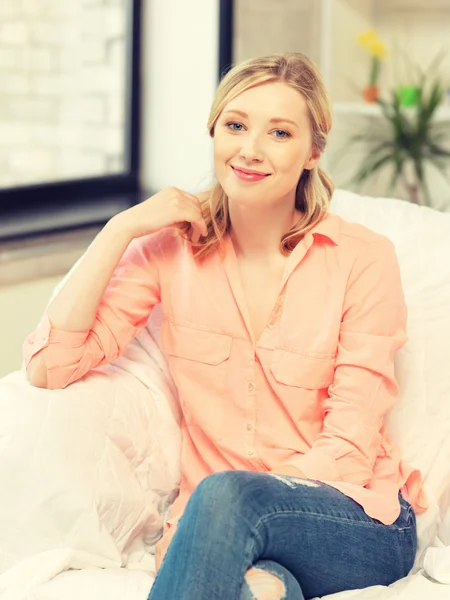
268 580
226 489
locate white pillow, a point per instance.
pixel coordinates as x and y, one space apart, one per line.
420 422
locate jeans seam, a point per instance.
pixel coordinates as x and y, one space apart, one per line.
248 553
331 518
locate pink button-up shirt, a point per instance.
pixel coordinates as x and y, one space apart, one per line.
312 392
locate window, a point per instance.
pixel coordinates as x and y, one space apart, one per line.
69 112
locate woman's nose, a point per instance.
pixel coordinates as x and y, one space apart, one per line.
251 149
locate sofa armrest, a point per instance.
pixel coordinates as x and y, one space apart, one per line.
83 470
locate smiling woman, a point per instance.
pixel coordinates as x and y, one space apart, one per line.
279 156
312 310
265 94
281 324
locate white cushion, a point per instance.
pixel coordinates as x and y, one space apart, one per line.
420 422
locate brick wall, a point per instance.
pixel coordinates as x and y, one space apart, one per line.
62 89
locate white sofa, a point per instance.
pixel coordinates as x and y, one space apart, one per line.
87 473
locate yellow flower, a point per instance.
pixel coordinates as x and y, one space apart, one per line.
378 49
370 41
367 38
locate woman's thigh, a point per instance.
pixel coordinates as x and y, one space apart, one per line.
321 536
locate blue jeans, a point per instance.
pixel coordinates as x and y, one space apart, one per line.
307 538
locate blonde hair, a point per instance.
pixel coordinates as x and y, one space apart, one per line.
315 188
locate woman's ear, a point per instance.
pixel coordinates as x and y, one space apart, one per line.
312 160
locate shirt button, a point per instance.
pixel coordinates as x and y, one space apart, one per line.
249 427
250 452
251 386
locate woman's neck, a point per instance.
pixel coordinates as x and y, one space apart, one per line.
256 231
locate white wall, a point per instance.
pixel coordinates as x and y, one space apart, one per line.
180 70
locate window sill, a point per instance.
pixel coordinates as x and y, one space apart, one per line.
42 256
46 242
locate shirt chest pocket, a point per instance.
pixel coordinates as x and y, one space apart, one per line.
303 371
199 363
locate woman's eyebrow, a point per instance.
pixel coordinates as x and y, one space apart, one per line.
283 120
273 120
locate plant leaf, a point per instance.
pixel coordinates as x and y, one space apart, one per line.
367 171
443 168
399 161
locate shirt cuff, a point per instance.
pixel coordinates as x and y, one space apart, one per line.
36 341
45 336
317 465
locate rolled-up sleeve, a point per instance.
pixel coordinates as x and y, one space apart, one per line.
373 328
124 309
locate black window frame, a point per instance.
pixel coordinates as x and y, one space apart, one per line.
86 201
226 32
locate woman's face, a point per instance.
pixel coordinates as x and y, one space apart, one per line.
262 143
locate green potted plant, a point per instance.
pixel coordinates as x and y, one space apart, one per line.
407 138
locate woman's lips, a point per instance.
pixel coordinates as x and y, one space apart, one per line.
248 176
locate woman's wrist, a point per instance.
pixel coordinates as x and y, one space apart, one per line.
120 225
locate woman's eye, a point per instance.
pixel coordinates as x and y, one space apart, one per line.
235 126
281 134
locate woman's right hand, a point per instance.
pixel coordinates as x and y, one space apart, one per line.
170 206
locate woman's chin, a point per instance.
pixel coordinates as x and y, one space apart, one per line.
243 191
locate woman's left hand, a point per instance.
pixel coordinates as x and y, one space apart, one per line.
288 470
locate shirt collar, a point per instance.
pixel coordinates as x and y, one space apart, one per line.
329 227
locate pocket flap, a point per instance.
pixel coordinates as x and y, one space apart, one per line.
195 344
300 370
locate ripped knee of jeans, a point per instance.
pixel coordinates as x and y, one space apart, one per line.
265 585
